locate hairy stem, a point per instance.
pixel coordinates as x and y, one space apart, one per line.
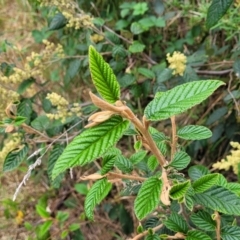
174 137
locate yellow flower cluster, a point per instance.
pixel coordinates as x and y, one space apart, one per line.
237 3
11 143
6 97
35 64
33 67
63 109
177 62
76 17
231 160
96 38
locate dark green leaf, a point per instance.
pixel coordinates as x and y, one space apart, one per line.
41 123
197 235
24 85
123 164
216 11
14 158
203 220
176 223
179 190
180 160
58 22
96 194
230 233
195 172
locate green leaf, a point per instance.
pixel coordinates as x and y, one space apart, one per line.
234 187
90 144
193 132
73 68
58 22
74 226
41 123
24 85
219 199
148 197
189 202
136 47
179 190
96 194
19 120
164 75
24 109
14 158
81 188
146 72
54 155
152 163
153 237
180 160
197 235
216 11
176 223
138 156
108 163
123 164
180 99
205 182
230 233
44 229
42 212
103 77
203 220
99 21
195 172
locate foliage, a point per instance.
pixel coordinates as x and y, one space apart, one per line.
152 59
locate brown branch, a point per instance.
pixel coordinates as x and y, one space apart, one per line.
174 137
124 176
217 218
139 236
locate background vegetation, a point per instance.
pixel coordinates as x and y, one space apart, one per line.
134 37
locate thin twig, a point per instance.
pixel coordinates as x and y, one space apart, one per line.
217 218
174 137
139 236
124 176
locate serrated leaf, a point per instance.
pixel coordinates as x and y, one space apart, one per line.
195 172
205 182
219 199
230 233
25 109
179 190
54 155
96 194
176 223
148 197
123 164
138 156
197 235
103 77
14 158
180 99
153 237
203 220
90 144
108 163
234 187
152 163
180 160
189 202
58 22
194 132
136 47
216 11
